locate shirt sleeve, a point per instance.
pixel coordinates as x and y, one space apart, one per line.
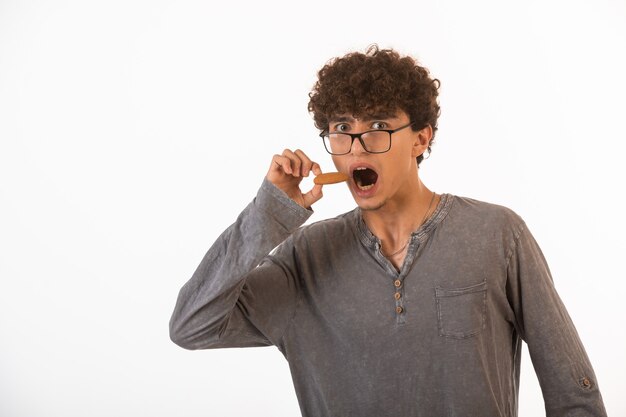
564 371
239 296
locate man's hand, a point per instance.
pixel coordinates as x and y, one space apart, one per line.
286 172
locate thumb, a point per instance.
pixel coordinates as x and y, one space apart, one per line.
315 194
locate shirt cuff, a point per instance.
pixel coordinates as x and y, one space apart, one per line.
283 209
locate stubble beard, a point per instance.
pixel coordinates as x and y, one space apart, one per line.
375 207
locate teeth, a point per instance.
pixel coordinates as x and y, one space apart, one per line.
365 187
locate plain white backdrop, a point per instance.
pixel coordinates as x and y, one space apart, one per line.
133 132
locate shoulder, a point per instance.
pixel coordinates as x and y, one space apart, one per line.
480 227
334 227
313 242
473 206
467 212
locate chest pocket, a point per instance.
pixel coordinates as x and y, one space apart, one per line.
461 311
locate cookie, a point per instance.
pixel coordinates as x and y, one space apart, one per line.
330 178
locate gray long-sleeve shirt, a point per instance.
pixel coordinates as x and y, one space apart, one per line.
442 337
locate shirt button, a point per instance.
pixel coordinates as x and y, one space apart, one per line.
397 296
586 382
397 283
398 309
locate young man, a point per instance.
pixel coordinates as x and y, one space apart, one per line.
412 304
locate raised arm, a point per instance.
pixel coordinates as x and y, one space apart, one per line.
218 306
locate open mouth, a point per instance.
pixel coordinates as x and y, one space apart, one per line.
364 178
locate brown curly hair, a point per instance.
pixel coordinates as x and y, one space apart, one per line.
379 80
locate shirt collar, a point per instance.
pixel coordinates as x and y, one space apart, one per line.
442 209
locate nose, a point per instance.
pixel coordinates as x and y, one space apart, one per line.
357 148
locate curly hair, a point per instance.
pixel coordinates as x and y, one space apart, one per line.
377 81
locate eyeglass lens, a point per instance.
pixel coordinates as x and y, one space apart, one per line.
341 143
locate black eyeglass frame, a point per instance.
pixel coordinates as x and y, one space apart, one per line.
358 136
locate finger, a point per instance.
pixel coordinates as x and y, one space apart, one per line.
315 194
295 162
281 163
316 168
306 163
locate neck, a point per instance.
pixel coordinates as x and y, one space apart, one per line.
394 222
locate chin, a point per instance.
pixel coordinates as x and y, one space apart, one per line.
370 205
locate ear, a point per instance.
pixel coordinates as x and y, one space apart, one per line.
421 141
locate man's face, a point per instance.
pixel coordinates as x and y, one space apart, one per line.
380 180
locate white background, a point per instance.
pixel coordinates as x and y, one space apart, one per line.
133 132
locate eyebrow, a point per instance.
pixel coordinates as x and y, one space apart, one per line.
366 118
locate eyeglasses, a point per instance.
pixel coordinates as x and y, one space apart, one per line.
373 141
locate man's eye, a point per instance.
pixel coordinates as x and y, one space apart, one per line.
379 125
341 127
